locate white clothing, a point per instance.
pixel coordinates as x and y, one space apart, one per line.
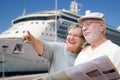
108 48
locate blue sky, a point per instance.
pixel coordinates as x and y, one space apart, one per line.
10 9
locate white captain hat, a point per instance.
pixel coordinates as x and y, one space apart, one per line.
92 15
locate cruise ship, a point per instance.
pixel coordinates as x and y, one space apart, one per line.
16 56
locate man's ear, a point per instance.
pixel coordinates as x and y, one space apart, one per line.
102 26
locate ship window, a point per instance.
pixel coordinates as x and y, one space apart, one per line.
1 61
61 36
31 22
62 32
46 33
43 22
18 48
50 34
35 18
42 33
36 22
70 19
65 23
24 31
16 31
63 28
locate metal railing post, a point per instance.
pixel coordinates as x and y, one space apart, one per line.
3 59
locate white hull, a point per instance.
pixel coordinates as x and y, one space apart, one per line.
26 60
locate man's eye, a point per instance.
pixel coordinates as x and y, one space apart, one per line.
88 24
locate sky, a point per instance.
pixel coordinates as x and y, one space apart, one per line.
11 9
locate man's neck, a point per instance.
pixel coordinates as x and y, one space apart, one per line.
96 43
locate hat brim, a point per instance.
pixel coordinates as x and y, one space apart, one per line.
89 17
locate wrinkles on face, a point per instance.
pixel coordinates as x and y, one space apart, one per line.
91 32
74 38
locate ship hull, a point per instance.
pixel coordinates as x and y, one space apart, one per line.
25 60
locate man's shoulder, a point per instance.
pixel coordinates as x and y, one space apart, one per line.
114 45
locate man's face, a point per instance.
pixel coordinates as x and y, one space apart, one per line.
74 38
91 29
